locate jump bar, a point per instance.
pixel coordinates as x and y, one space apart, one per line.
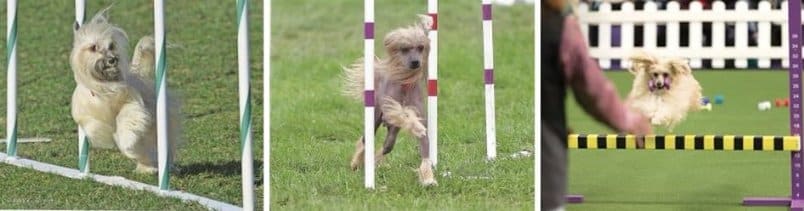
686 142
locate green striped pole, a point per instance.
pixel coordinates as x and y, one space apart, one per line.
161 100
245 105
11 96
83 140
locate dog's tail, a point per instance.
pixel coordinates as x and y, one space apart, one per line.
405 118
142 63
354 78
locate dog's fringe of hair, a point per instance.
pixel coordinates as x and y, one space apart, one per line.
406 118
354 78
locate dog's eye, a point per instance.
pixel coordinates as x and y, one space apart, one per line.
93 48
655 74
111 46
420 48
664 74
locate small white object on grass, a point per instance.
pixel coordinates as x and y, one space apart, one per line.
764 106
29 140
707 107
504 2
521 154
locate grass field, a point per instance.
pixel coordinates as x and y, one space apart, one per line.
314 128
690 180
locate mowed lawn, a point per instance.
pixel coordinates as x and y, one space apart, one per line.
313 127
690 180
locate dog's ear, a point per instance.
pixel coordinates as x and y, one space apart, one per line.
102 16
389 39
640 62
680 66
426 22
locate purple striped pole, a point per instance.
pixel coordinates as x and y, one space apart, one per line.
488 66
368 59
796 200
432 83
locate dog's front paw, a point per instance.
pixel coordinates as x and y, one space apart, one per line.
419 131
426 175
145 169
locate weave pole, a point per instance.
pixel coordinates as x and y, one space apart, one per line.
245 105
161 99
368 96
432 82
488 69
83 140
796 199
266 105
11 90
685 142
537 131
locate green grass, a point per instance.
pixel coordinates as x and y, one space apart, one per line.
313 127
203 69
689 180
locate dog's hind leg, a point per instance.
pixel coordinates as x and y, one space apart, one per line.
133 139
390 141
357 157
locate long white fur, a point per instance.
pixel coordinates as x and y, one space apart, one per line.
664 108
119 114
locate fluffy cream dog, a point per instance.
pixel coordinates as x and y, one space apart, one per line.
398 83
663 90
113 103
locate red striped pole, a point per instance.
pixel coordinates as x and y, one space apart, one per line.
432 83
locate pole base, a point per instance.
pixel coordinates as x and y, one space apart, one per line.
574 199
794 204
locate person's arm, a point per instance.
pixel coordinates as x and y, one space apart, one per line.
593 91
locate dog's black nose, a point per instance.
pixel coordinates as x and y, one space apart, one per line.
111 61
414 64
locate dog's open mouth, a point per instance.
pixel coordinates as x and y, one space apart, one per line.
653 85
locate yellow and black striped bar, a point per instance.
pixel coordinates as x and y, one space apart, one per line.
686 142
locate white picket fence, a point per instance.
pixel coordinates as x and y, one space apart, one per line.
650 17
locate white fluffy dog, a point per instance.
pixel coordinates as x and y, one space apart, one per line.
113 103
663 90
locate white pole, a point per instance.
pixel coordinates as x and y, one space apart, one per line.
83 141
11 96
161 99
488 66
368 59
245 105
432 83
266 103
537 109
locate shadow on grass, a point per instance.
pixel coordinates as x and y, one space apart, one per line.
227 168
